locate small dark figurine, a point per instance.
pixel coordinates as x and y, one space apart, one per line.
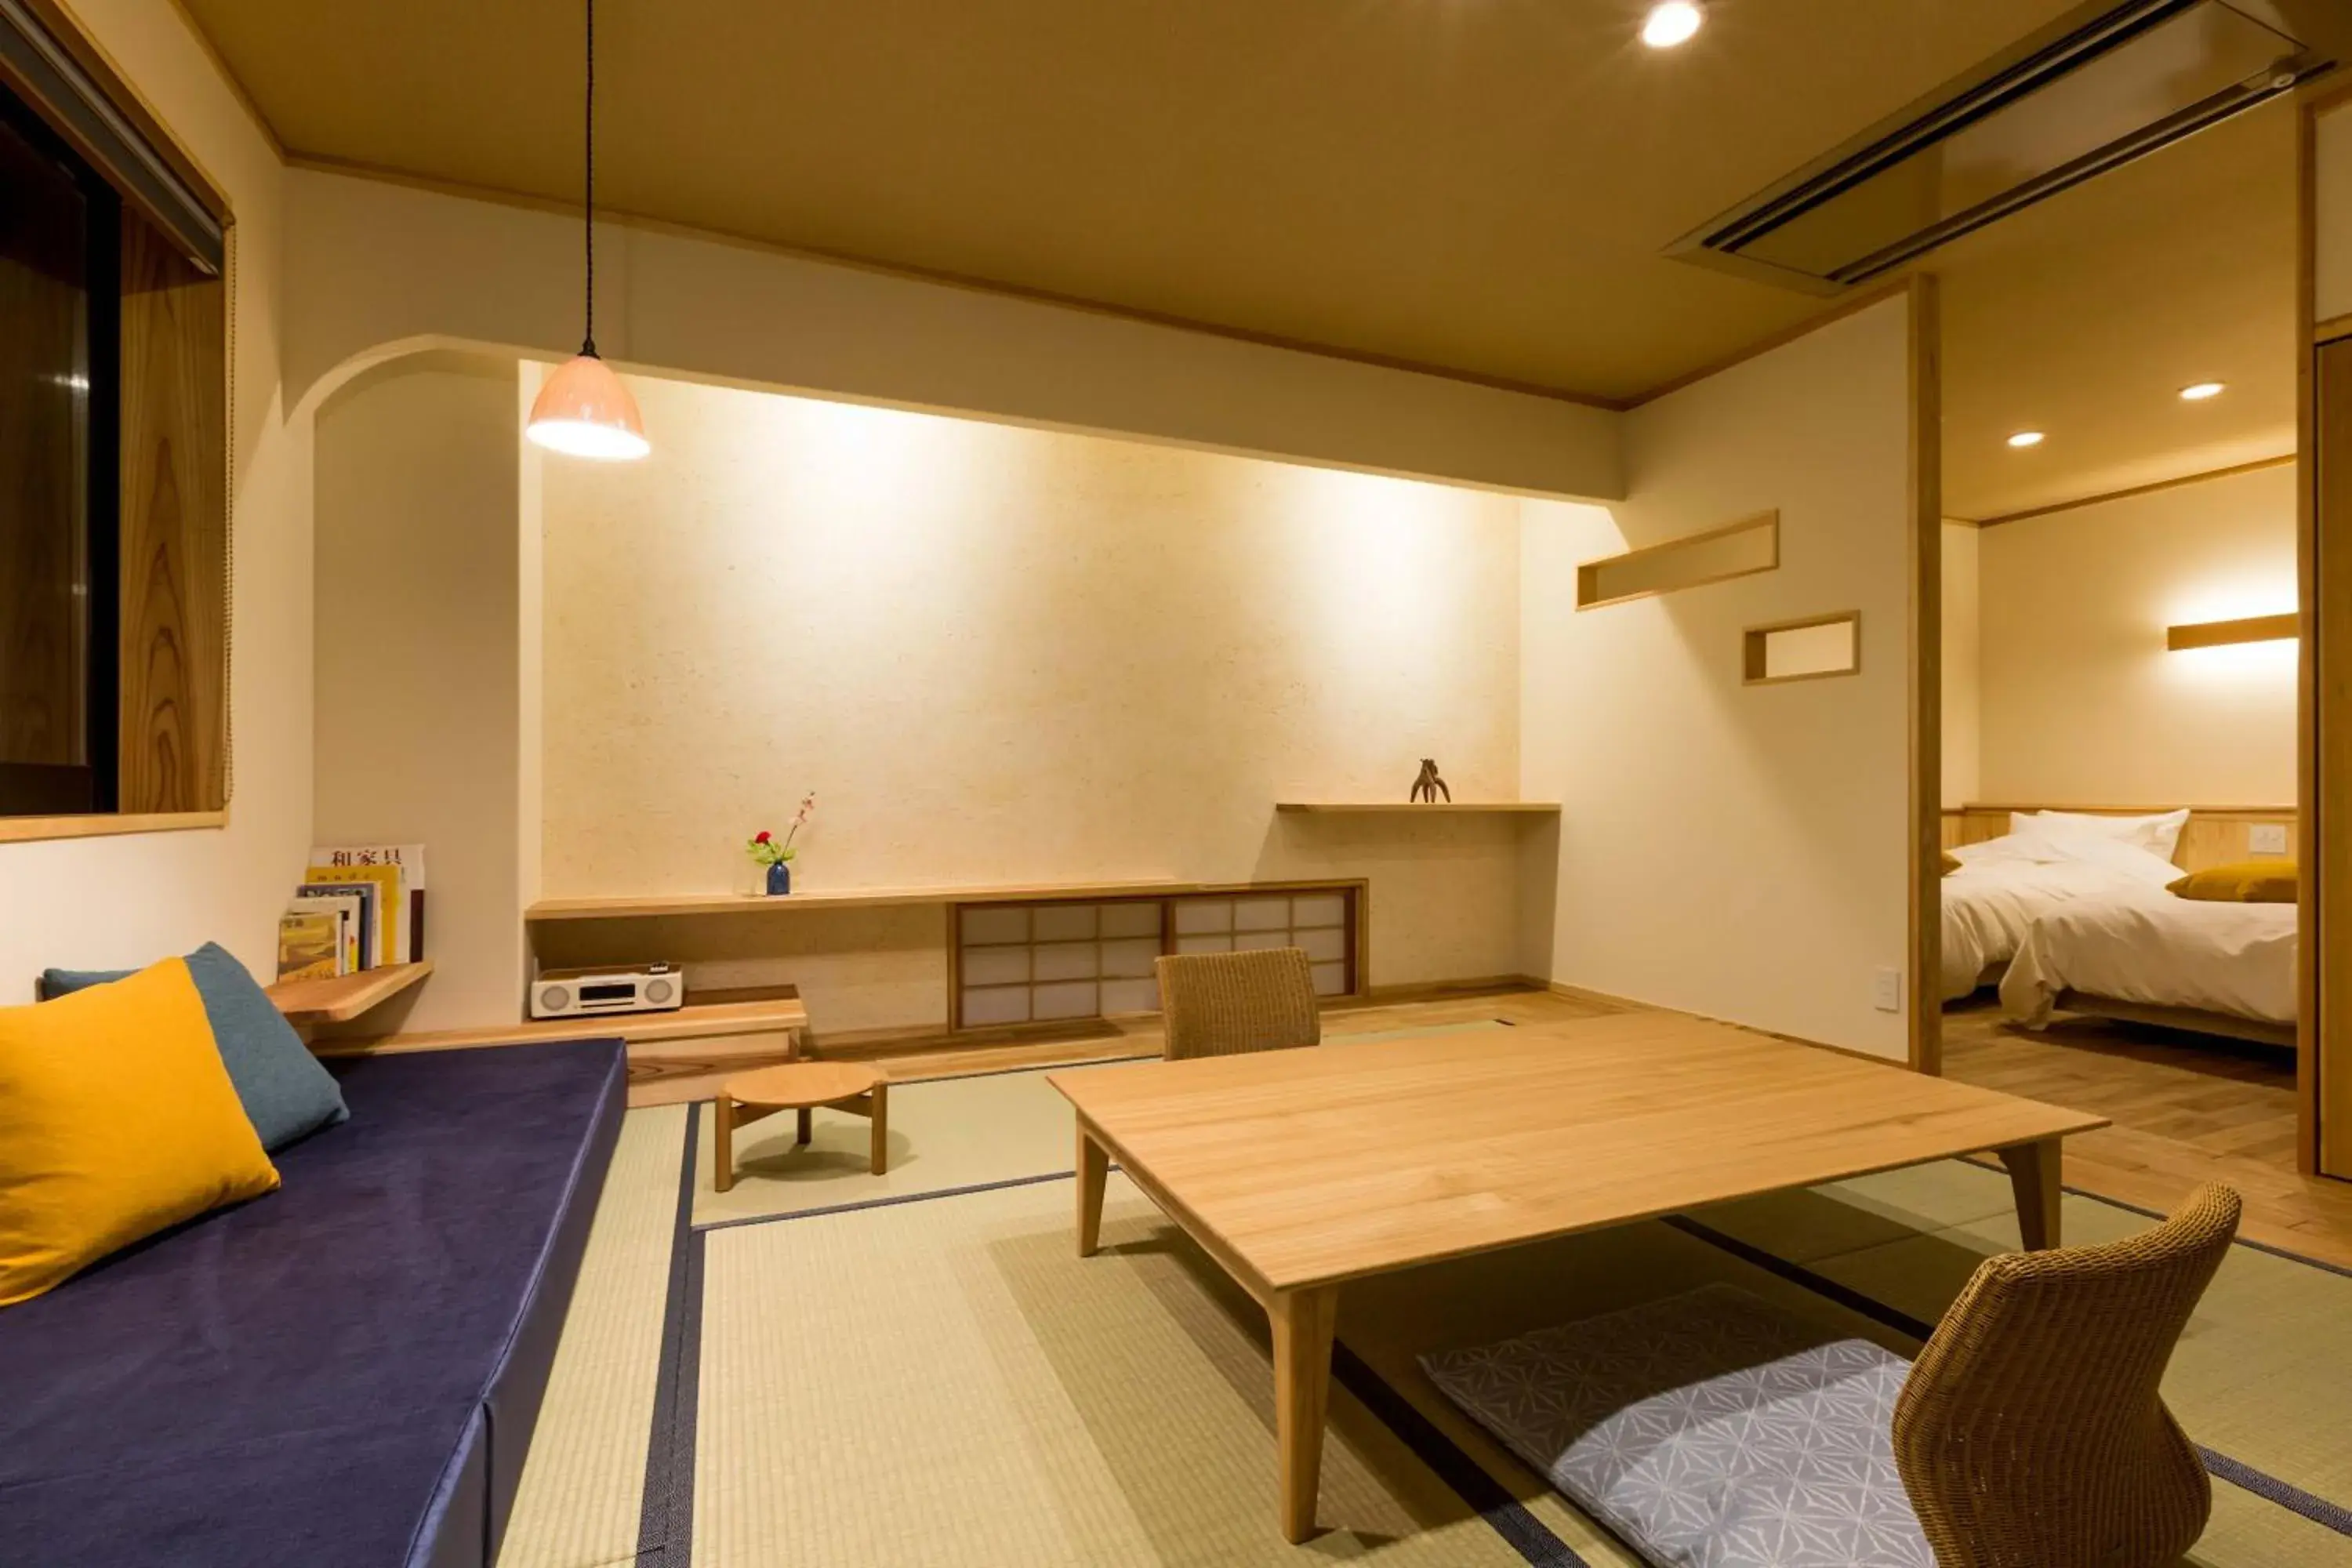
1429 787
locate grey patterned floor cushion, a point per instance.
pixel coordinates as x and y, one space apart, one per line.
1711 1430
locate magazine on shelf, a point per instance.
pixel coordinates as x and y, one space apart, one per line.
390 928
308 941
399 871
357 901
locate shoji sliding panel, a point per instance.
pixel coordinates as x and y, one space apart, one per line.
1034 963
1060 962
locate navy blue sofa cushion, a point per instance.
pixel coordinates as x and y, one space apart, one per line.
344 1372
285 1092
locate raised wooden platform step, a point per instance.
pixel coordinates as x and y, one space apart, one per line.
674 1056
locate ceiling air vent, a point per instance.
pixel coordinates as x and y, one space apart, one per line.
2108 84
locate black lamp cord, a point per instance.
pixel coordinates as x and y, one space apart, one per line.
588 342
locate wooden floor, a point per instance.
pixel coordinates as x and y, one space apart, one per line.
2186 1112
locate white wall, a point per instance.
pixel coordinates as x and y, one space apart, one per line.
1962 668
418 658
2082 702
1738 852
1001 655
125 901
376 264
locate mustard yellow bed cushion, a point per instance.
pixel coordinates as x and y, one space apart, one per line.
117 1121
1950 863
2242 883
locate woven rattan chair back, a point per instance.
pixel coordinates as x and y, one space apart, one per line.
2030 1435
1224 1004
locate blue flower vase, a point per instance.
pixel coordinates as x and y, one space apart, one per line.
780 879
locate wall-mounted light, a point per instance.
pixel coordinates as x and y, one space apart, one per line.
1674 22
2199 391
2025 438
2222 634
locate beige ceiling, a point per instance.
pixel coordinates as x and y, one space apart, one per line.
1479 185
1483 185
2085 316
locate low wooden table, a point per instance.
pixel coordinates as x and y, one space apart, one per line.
1298 1171
801 1086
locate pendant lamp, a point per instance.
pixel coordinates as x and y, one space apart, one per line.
584 411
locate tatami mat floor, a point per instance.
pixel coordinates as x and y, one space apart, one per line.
825 1367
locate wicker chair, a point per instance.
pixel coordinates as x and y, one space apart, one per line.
2030 1435
1224 1004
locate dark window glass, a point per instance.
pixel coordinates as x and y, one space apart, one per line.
59 237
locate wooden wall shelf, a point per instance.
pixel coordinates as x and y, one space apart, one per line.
684 1054
1402 808
717 1014
658 905
339 999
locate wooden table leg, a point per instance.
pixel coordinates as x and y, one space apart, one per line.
2036 1173
722 1144
806 1126
1302 1393
1094 1169
881 1112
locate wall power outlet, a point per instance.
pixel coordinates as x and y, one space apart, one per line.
2267 839
1886 991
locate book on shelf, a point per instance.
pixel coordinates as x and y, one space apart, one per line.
397 870
356 902
310 944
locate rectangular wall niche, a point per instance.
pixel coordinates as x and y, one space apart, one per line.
1810 649
1737 549
1049 963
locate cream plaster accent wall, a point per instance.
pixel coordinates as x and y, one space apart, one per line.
1003 655
1963 667
1736 851
374 264
117 901
2082 702
419 684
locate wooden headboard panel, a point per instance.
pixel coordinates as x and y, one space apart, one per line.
2216 834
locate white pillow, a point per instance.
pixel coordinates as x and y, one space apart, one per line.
2159 833
2044 848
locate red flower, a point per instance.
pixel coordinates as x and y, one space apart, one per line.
762 839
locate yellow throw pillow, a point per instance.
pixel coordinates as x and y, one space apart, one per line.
1951 862
117 1121
2244 882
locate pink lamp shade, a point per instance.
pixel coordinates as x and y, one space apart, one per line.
585 411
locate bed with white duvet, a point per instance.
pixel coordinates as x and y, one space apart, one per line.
2155 950
2047 862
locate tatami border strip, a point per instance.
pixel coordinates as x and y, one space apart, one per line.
2286 1494
665 1517
2275 1251
1504 1514
891 1202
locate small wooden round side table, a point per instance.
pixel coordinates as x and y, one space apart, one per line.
801 1086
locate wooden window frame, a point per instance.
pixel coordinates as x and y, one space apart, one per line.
1588 574
171 725
1754 653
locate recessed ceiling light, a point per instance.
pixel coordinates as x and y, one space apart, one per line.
1672 23
2026 439
2197 392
